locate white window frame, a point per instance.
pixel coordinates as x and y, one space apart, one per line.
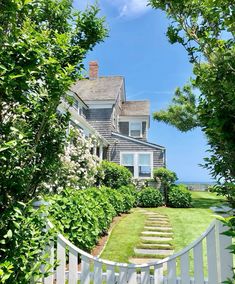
136 162
132 122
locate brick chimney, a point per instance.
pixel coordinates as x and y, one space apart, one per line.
93 70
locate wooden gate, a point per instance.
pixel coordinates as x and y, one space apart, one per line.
205 261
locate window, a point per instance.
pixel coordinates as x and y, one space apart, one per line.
144 165
140 164
128 162
135 129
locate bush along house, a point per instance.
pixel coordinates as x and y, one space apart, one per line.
121 126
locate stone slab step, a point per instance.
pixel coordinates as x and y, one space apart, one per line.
158 229
166 234
153 251
165 223
148 238
154 246
154 219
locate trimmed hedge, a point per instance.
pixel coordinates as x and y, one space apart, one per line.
85 215
179 197
150 197
113 175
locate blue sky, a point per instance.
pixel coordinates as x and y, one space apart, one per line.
137 48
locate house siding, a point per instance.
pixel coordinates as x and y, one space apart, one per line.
101 120
124 145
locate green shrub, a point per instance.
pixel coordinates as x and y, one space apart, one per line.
179 197
113 175
150 197
116 199
22 244
85 215
130 196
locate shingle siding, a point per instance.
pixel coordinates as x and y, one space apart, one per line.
101 120
124 145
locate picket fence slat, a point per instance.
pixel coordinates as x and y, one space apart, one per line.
85 268
97 272
61 257
158 274
145 275
50 279
184 266
110 274
212 257
131 276
198 264
73 264
122 275
171 269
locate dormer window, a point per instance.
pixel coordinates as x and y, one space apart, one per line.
135 129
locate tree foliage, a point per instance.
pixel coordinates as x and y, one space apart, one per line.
42 45
182 113
206 30
165 178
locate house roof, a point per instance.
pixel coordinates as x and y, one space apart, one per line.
100 89
138 141
135 108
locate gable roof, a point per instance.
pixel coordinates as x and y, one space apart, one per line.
139 141
100 89
135 108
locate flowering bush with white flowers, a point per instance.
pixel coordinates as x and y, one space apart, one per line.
79 165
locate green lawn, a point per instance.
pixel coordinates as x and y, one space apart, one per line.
188 224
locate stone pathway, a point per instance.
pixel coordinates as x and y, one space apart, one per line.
155 240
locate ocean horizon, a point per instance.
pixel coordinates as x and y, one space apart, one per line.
196 182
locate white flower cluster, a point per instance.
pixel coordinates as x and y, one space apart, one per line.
79 162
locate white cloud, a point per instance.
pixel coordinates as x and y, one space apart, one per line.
130 8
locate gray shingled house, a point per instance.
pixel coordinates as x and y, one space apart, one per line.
124 124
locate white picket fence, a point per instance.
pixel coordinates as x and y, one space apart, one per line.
76 266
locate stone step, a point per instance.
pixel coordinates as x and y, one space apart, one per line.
154 219
153 233
153 251
160 224
151 238
158 229
154 246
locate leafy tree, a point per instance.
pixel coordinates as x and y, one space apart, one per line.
166 179
183 111
206 30
42 45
